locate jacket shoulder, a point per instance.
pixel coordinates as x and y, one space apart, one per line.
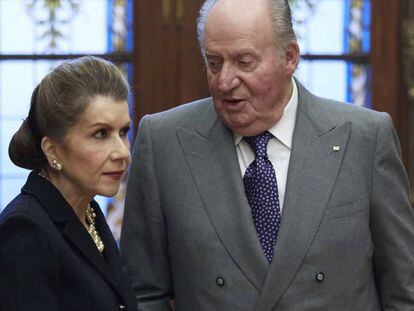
24 220
186 115
26 208
326 111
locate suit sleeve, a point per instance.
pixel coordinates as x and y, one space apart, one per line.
143 238
392 223
28 267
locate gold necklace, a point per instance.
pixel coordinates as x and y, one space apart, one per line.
90 216
93 232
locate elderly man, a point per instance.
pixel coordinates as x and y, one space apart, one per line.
266 197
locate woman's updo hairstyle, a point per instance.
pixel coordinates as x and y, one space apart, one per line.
58 102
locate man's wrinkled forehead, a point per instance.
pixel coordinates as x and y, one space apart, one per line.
237 11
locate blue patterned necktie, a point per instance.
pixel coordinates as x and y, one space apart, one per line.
261 191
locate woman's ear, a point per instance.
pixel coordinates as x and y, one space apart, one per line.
49 148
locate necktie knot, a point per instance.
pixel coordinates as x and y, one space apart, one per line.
259 143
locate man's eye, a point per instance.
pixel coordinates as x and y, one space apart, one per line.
245 64
213 65
101 134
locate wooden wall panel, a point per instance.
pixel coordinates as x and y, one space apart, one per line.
388 91
193 84
168 68
407 56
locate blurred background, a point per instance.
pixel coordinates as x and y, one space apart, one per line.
357 51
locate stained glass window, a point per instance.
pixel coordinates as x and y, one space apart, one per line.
35 36
334 41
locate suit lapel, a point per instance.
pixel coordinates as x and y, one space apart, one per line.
79 238
313 169
71 228
111 253
212 159
107 264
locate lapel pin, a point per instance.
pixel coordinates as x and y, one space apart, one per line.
336 148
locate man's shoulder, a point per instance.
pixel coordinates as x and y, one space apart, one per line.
323 109
335 110
326 113
187 111
348 111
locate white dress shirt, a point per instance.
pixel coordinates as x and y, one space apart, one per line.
278 148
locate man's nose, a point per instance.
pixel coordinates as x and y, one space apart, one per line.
228 78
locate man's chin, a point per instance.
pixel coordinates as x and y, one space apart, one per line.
245 128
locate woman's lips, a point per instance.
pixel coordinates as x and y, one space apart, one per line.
114 175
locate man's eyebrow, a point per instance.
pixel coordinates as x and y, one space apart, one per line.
245 52
211 54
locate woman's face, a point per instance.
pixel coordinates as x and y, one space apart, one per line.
95 153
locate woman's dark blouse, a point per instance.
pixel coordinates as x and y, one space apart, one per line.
49 262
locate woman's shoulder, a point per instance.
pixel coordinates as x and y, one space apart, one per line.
23 226
25 218
35 202
27 254
26 227
23 206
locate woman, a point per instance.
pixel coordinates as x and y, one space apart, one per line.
56 250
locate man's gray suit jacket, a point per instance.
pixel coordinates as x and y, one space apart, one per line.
346 240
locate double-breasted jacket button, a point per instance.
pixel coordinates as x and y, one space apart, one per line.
220 281
320 277
122 307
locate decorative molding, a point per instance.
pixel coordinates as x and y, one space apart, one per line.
51 16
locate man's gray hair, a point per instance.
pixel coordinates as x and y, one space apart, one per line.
281 18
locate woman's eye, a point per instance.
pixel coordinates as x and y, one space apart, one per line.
101 134
124 131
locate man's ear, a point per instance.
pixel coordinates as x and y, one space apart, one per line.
292 56
49 148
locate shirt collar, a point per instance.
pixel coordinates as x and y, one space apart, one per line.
283 129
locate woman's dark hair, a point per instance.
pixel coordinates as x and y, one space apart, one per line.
58 102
